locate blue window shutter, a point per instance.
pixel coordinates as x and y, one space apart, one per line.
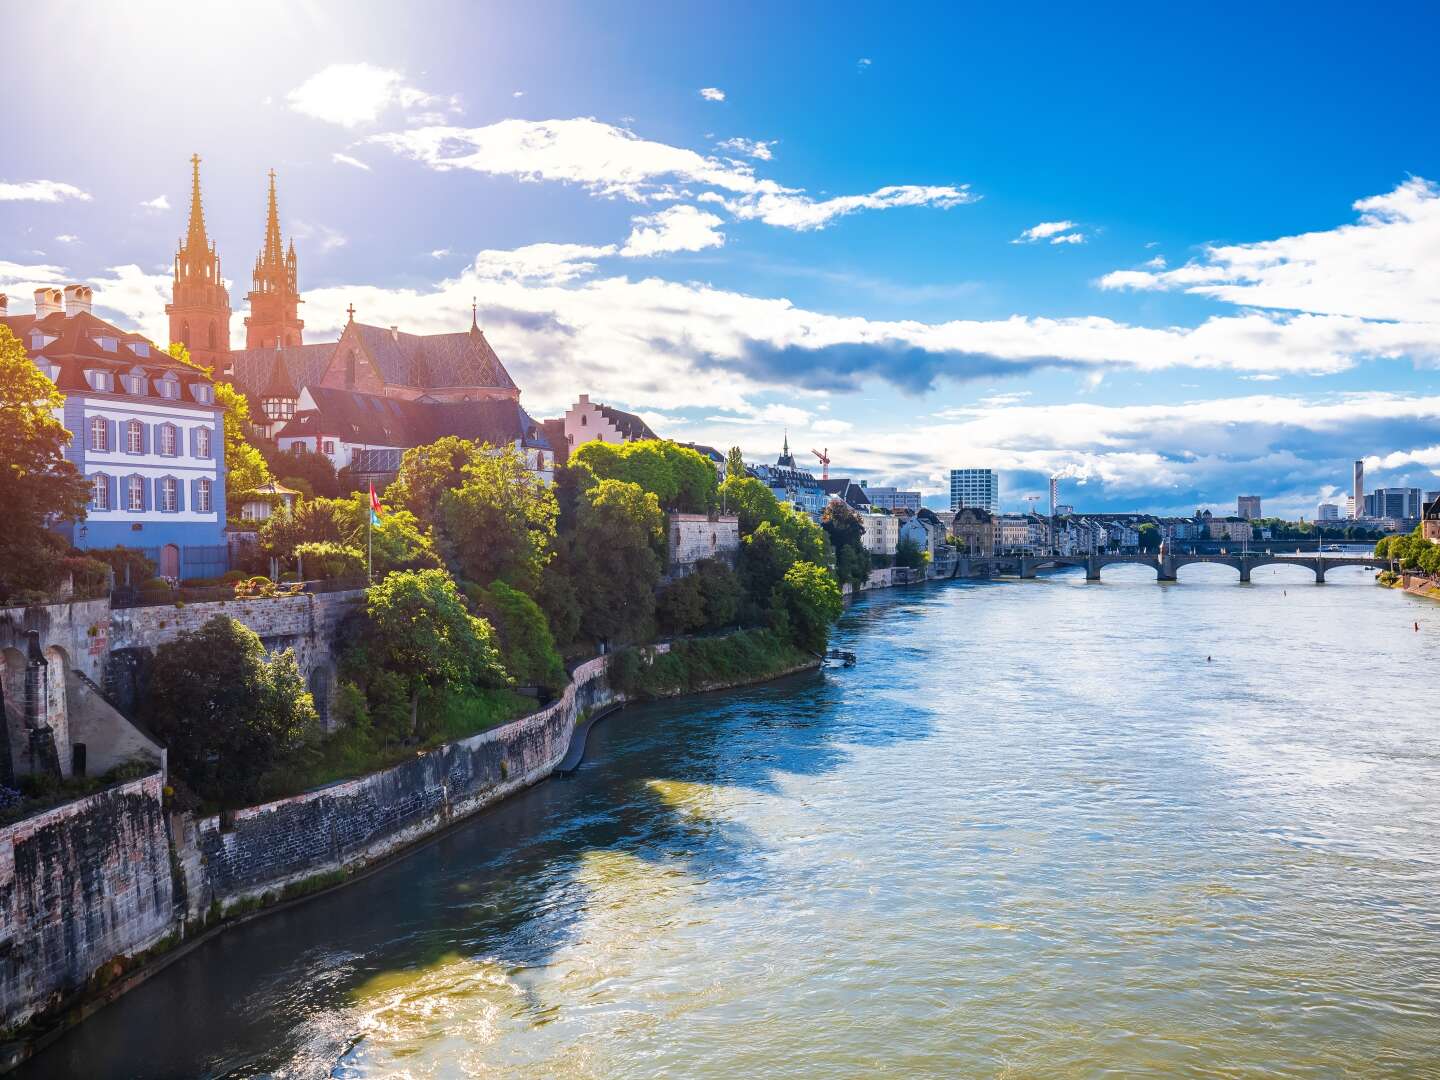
144 438
179 496
194 494
194 442
110 436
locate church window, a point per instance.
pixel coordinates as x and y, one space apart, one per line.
584 420
212 335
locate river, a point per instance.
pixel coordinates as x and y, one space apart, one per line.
1043 829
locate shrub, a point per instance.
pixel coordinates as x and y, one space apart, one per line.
527 647
326 561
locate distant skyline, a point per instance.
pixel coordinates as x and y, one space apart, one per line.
1172 256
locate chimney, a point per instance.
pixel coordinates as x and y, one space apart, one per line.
4 305
394 333
584 398
77 299
47 302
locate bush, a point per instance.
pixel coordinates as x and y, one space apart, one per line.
121 559
811 600
326 561
527 648
704 663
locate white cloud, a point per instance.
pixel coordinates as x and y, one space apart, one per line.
756 148
321 237
863 64
547 264
346 159
613 161
439 253
518 94
160 202
676 228
1157 263
1056 232
712 93
832 427
354 94
67 238
41 191
1383 266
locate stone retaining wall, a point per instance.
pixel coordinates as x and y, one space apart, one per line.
346 825
81 885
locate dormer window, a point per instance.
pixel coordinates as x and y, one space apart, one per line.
102 381
204 393
140 348
169 387
109 344
136 383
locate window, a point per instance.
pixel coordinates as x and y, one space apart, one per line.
102 381
135 384
134 437
203 393
202 496
169 387
584 420
135 493
139 348
109 344
99 433
100 497
328 446
202 442
169 494
168 440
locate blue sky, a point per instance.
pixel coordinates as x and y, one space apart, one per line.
1173 257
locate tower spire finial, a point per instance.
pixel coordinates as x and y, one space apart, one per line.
195 240
274 254
474 314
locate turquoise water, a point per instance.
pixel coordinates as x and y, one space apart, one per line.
1034 833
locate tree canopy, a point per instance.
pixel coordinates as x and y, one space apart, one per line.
37 483
681 479
224 710
613 559
499 522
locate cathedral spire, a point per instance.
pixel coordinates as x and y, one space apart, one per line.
273 253
196 243
199 307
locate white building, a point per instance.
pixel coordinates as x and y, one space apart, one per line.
1327 512
975 487
1012 534
889 498
590 421
693 538
881 534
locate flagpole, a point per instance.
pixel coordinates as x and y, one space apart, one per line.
369 535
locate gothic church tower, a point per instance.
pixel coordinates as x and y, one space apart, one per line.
199 307
275 296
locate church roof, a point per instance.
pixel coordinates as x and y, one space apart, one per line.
280 384
433 361
252 369
381 421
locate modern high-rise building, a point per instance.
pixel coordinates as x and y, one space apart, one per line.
979 488
889 498
1396 502
1248 507
1327 512
1357 505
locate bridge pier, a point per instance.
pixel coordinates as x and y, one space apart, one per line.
1320 572
1165 571
1027 569
1092 568
1244 573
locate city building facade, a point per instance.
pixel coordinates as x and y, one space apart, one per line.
890 498
146 433
974 531
1248 507
1327 512
975 487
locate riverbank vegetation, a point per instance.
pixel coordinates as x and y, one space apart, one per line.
486 579
1414 552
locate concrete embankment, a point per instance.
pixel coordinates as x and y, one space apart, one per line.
71 939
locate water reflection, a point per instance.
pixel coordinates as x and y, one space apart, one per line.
1034 833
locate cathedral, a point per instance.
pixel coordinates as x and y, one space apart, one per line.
361 400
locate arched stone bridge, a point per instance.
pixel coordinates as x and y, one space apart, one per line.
1168 567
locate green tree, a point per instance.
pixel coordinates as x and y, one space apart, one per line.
706 599
909 554
1149 534
751 501
427 473
500 521
298 467
224 710
527 647
735 464
765 556
396 543
37 484
811 600
614 560
845 530
680 478
680 607
418 629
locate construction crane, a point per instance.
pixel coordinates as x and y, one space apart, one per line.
824 456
